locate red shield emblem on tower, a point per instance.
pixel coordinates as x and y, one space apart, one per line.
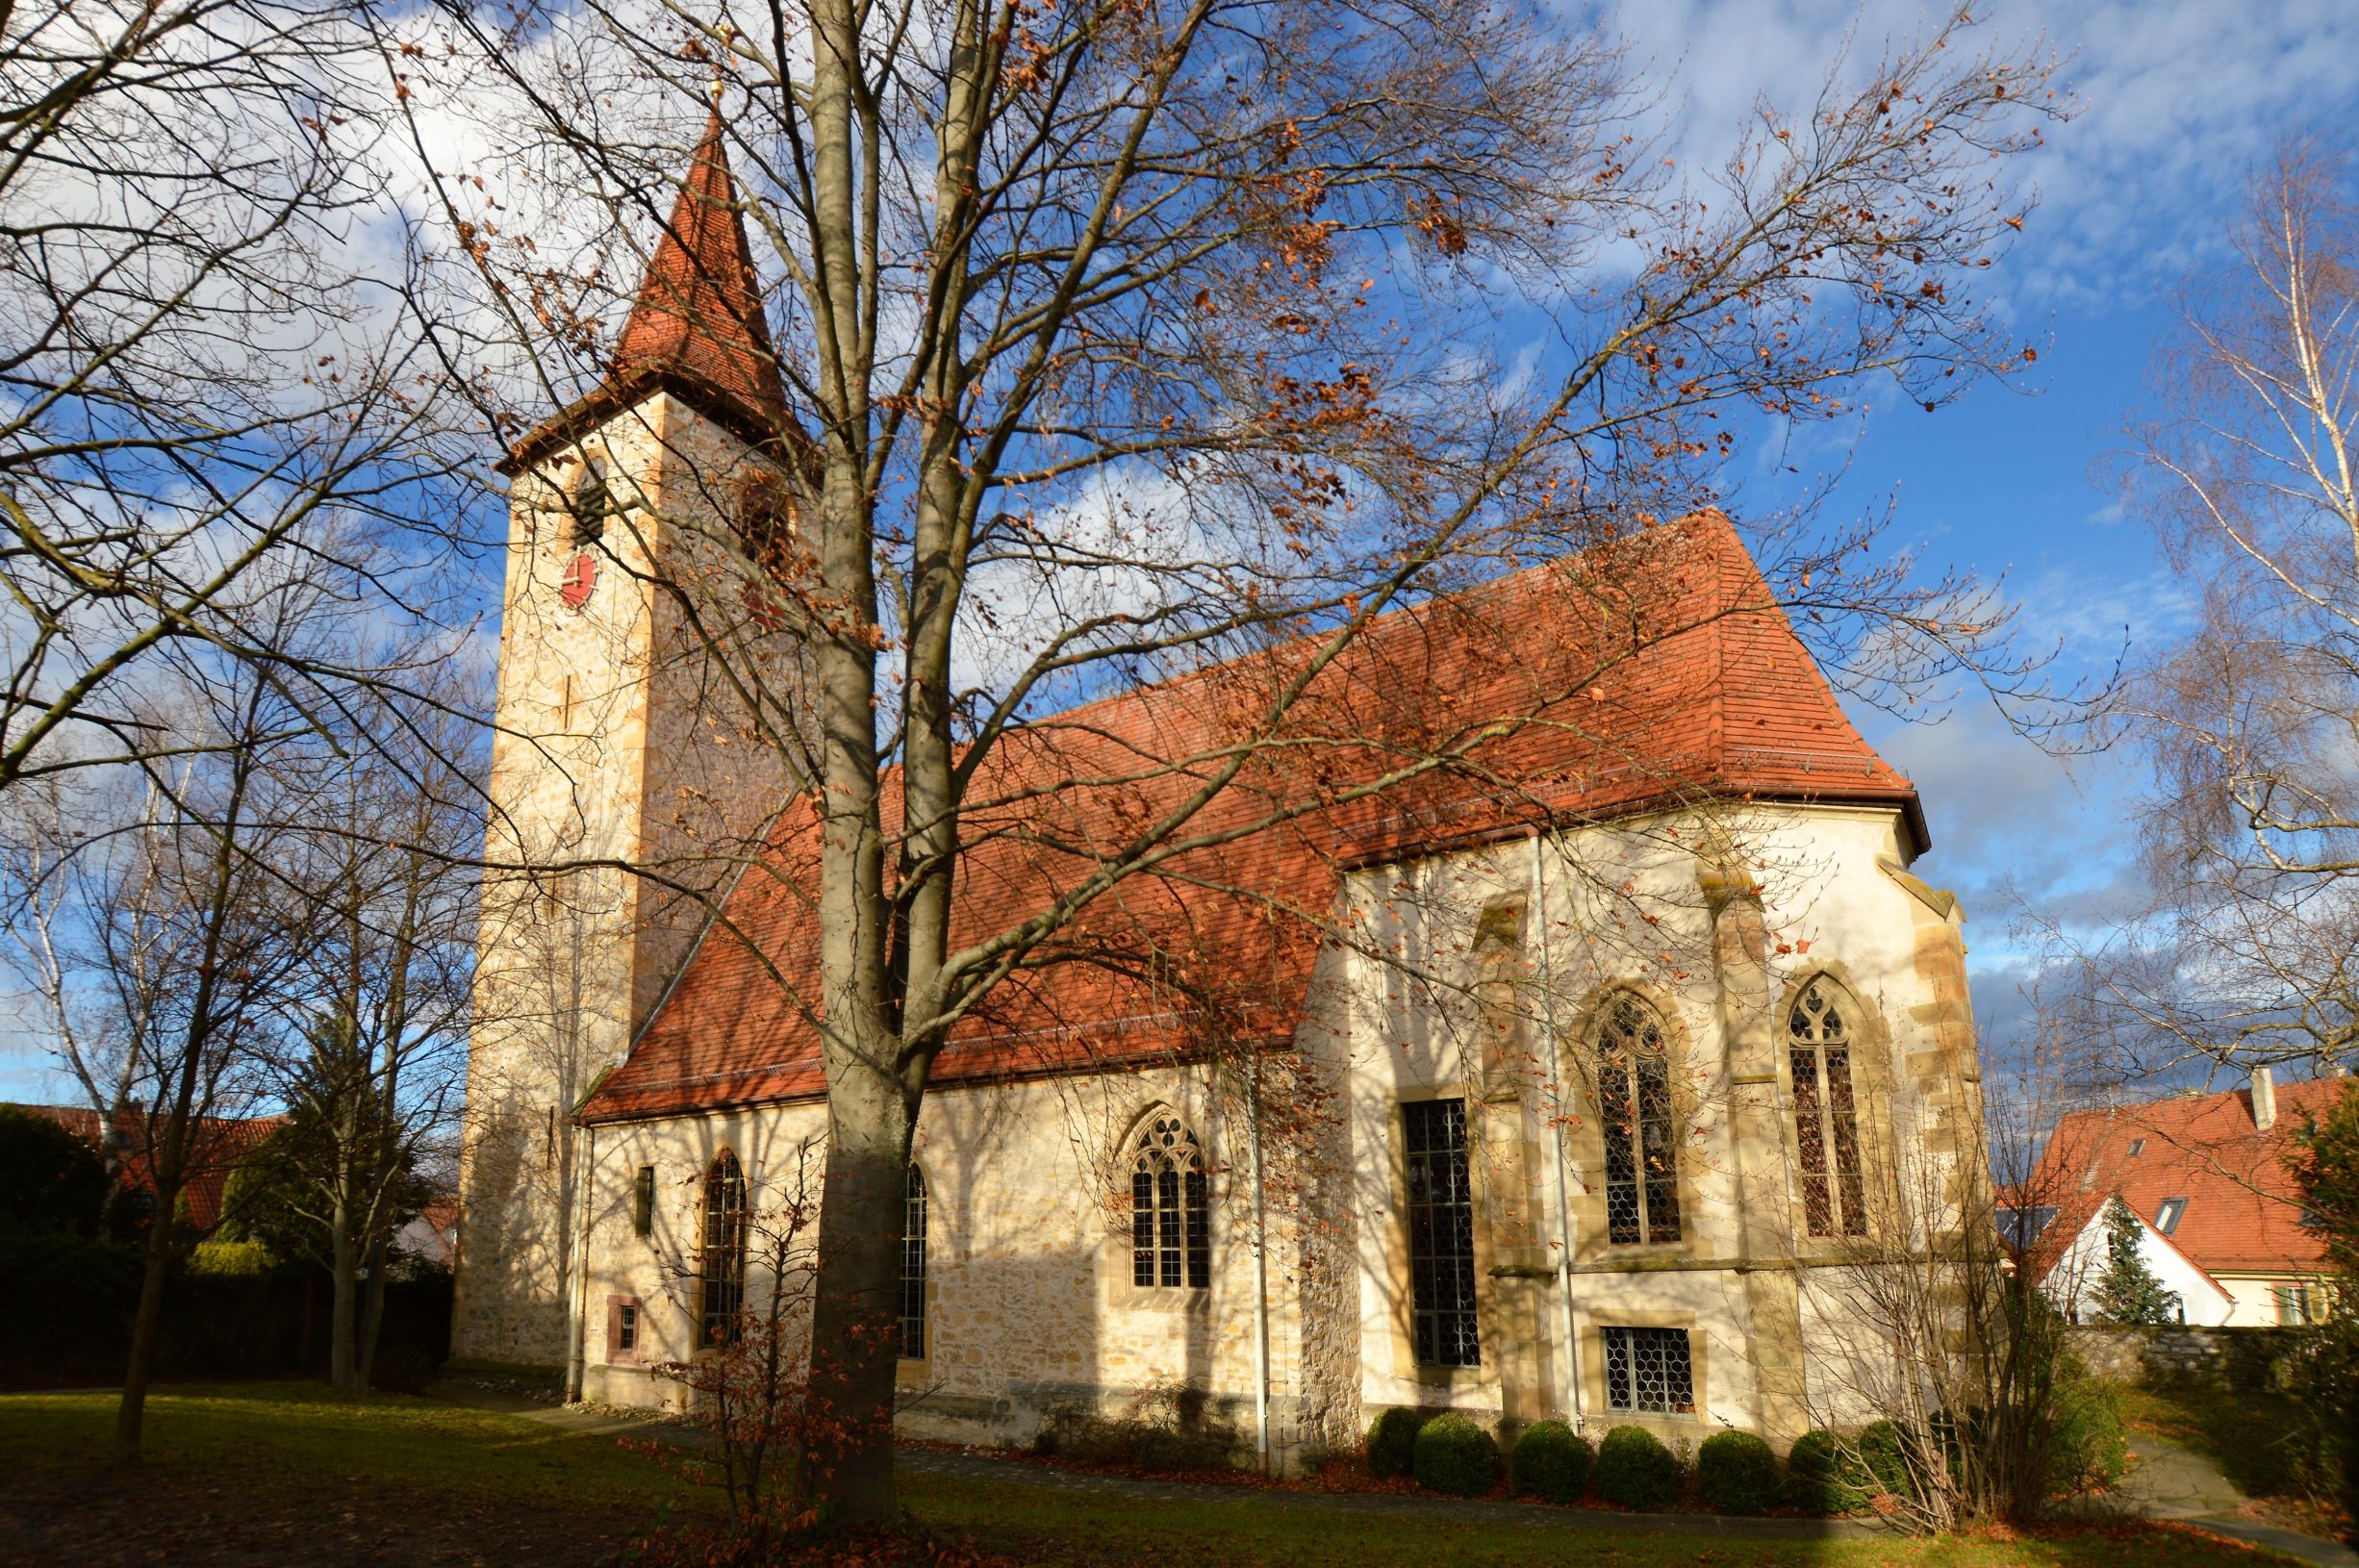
581 575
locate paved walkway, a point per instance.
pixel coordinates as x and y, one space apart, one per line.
2172 1483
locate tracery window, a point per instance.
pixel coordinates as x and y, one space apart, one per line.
1171 1208
1826 1115
913 1266
1634 1103
721 1258
1441 1257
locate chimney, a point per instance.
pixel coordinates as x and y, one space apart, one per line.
2264 1099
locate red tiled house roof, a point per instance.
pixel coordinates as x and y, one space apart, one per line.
2243 1212
1649 671
219 1144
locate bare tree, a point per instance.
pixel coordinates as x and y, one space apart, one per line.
1133 338
209 351
2248 472
372 1069
1948 1323
195 972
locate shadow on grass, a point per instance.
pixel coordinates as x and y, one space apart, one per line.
2246 1433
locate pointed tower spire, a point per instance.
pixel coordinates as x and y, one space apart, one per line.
699 314
697 327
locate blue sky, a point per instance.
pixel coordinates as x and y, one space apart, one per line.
2178 98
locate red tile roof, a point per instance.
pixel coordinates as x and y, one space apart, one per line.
700 307
2243 1213
1648 670
219 1143
697 326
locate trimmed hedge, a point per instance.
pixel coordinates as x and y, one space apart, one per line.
1392 1441
1826 1474
1634 1470
1737 1472
1885 1449
1455 1456
1551 1461
1823 1475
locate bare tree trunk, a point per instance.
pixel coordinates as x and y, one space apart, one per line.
372 1315
343 1268
146 1324
860 1225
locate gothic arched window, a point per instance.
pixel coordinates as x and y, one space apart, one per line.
913 1265
1633 1104
720 1254
1171 1207
1826 1115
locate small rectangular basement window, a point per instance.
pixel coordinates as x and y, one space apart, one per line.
1648 1369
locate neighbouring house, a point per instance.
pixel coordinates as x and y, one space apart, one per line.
2220 1221
219 1144
1607 1075
432 1233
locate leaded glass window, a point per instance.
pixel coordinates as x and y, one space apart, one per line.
913 1266
1648 1369
1441 1261
1634 1094
1826 1115
1171 1208
721 1270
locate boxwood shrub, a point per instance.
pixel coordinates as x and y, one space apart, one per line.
1455 1456
1885 1450
1392 1441
1551 1461
1823 1475
1736 1472
1634 1470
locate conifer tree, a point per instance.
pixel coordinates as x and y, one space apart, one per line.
2128 1291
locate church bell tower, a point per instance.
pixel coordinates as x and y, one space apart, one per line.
649 689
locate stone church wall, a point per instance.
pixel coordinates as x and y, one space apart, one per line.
1031 1309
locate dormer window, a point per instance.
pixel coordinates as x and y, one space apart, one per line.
2166 1217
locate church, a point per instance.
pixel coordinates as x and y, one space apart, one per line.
1588 1093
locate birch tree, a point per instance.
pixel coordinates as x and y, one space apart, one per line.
2241 723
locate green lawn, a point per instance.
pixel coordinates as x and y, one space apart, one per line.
1038 1525
303 1429
278 1436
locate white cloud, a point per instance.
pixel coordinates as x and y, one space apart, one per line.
2178 98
